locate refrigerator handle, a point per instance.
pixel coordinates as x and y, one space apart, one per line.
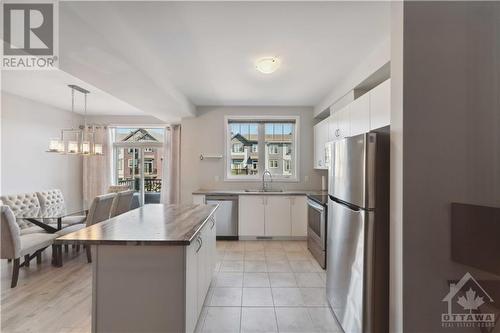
352 207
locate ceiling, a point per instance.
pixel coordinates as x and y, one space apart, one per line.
165 58
51 87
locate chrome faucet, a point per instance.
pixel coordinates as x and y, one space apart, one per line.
265 185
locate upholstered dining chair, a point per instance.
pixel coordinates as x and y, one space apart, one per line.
55 197
23 202
99 211
122 203
14 245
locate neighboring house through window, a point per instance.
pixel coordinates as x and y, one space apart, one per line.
254 144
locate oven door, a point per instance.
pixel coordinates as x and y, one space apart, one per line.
316 223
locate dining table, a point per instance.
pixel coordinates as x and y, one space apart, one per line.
44 217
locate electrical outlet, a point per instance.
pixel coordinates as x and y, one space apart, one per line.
216 178
306 179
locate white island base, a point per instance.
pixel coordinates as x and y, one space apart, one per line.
152 288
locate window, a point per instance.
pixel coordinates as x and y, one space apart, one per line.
287 150
287 167
255 144
237 147
273 149
131 163
148 166
148 150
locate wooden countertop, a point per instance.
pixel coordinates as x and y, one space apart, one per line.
154 224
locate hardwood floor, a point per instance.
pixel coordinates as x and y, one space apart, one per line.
48 299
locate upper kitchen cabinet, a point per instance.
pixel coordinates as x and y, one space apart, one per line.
339 123
380 105
320 139
359 111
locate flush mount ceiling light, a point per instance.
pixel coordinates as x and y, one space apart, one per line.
267 65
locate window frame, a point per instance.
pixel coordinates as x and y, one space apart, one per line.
295 153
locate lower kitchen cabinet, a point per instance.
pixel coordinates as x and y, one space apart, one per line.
277 217
251 212
272 216
200 266
198 199
298 209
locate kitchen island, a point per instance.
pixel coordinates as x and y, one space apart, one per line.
152 267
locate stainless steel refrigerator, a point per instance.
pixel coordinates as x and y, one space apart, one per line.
358 232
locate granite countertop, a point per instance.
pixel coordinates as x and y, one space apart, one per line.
153 224
243 192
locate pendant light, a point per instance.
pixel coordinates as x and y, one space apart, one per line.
82 140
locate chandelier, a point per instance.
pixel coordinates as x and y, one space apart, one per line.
78 140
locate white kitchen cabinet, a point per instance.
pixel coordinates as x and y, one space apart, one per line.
198 199
339 124
380 105
272 216
200 266
277 218
344 122
320 139
298 212
333 125
191 287
359 111
251 214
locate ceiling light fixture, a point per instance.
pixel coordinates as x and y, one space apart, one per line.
82 140
267 65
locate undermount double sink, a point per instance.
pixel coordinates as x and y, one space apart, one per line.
264 190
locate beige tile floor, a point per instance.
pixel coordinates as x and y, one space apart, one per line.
259 286
266 286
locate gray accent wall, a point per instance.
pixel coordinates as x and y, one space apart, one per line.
205 134
446 132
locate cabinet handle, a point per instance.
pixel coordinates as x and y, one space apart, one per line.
213 223
200 241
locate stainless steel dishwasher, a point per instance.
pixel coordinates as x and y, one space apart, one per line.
226 216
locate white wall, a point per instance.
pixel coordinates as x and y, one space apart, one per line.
450 132
205 134
124 120
396 178
373 61
25 166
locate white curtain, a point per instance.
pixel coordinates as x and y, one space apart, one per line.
170 187
97 168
